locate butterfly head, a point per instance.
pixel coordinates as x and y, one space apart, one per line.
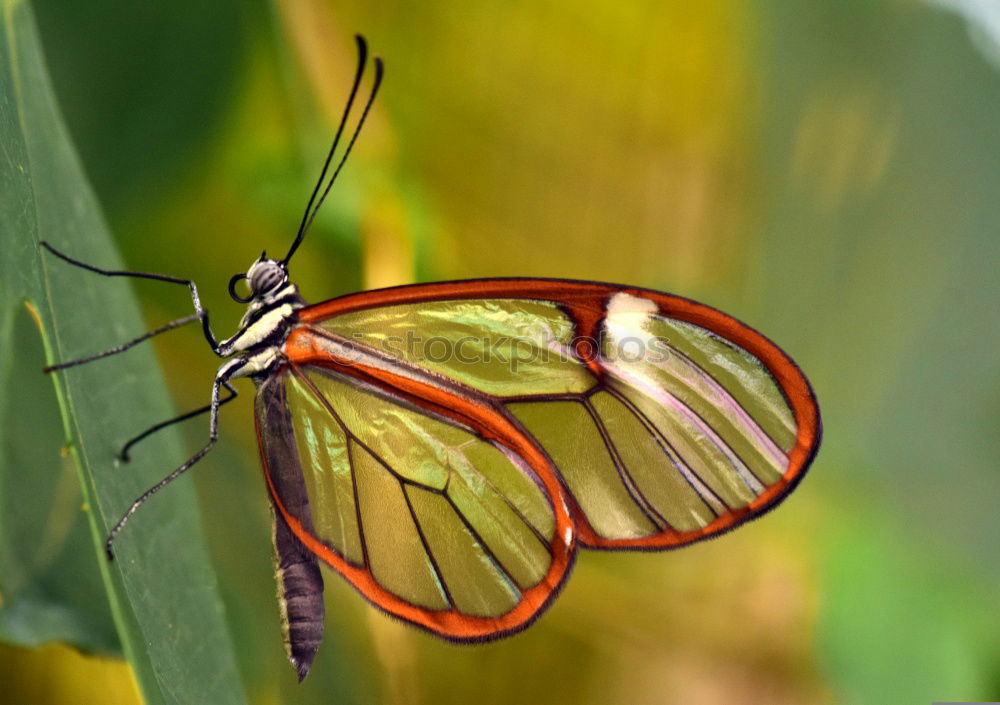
265 277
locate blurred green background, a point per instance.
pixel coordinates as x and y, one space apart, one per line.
828 172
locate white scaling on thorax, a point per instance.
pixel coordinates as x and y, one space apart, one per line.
260 329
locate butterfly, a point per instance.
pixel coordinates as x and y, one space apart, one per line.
447 448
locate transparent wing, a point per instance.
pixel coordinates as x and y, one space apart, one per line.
668 421
440 520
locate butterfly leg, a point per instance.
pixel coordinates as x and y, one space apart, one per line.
199 312
124 346
124 454
221 378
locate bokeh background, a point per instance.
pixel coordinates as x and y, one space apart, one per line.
828 172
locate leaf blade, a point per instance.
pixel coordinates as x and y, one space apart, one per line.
162 590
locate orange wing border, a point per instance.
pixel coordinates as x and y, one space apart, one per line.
585 303
492 424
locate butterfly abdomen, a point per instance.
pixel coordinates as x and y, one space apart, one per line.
300 597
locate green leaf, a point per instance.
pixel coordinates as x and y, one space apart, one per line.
161 589
51 585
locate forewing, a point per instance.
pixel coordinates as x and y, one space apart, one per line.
668 421
427 517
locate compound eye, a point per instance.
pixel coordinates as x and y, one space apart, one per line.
266 278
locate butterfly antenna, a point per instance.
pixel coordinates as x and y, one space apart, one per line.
362 61
303 226
379 70
311 210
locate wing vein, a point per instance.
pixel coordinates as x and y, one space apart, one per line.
427 548
352 437
357 504
778 456
364 446
624 475
348 438
513 507
562 396
668 400
486 549
704 492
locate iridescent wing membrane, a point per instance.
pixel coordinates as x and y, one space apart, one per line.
455 441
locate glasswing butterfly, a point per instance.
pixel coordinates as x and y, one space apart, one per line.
447 447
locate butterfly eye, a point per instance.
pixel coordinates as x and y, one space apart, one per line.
266 276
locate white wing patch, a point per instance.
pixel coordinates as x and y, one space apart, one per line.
627 316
